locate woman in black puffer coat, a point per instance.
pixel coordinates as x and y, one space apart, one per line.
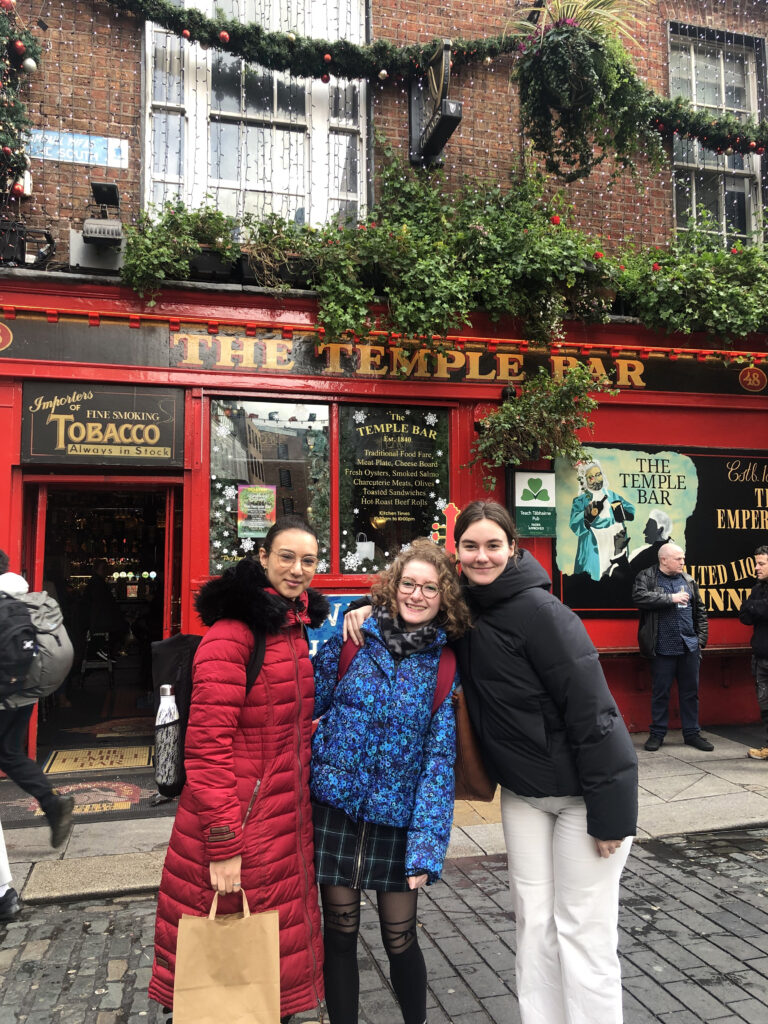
553 738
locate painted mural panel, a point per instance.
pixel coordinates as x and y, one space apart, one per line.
615 511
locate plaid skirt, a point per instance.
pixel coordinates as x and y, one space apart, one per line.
358 854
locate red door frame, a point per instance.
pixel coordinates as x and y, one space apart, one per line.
34 537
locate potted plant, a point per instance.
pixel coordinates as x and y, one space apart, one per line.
166 239
540 421
276 252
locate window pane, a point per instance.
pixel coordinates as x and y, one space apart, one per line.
680 72
394 480
736 81
708 195
226 84
707 62
167 144
225 151
258 92
683 199
343 163
266 458
736 205
291 98
166 69
345 102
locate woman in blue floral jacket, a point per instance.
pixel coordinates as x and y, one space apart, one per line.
382 774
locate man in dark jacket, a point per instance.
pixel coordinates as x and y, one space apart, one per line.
754 612
672 633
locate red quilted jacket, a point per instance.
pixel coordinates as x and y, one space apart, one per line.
247 763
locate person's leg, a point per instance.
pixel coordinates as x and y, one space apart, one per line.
341 923
586 916
688 691
407 970
663 669
26 773
528 835
760 670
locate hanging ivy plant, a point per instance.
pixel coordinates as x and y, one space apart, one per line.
580 100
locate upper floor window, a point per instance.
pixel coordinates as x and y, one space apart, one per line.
720 73
257 140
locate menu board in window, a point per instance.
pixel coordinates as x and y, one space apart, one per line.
393 480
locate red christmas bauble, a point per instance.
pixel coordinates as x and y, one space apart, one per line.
325 78
186 33
8 6
17 190
327 58
7 151
224 37
19 47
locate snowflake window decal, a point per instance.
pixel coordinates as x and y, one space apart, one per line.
359 416
431 419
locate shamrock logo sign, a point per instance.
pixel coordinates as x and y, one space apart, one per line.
534 490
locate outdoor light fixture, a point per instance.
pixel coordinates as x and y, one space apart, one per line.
104 230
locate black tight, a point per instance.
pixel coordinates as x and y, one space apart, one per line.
397 919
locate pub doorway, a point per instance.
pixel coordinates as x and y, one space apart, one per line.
109 550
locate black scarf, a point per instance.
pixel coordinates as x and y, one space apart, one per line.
401 640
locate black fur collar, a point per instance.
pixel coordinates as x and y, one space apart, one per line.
239 593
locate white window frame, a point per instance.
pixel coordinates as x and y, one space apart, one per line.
320 189
728 171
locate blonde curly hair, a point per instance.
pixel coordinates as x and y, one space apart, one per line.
454 614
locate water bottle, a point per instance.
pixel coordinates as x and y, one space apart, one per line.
168 752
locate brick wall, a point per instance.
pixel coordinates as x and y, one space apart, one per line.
90 82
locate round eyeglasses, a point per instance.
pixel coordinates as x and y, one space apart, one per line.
428 590
289 558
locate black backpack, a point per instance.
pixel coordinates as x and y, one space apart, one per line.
18 645
172 663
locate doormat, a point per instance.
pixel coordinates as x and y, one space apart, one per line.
97 759
106 798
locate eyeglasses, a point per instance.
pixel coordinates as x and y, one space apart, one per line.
428 590
288 558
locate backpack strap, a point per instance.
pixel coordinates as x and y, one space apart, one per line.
256 660
446 670
348 650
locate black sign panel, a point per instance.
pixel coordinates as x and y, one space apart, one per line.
102 425
615 511
74 341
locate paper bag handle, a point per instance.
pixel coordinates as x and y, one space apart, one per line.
214 905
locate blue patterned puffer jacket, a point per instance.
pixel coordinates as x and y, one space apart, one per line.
379 753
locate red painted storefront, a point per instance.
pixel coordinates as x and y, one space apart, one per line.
240 343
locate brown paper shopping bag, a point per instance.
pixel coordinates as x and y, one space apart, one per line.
228 968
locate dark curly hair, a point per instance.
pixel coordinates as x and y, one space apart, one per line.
454 614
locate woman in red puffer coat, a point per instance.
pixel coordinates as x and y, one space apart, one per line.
244 817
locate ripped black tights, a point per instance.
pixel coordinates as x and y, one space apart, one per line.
397 920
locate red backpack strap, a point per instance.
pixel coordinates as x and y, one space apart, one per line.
348 650
446 670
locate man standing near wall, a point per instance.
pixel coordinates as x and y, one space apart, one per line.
754 612
672 633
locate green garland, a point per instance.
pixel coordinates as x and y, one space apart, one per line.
308 58
14 123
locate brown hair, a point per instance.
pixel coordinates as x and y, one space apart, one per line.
454 614
490 510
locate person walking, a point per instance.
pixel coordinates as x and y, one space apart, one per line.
14 726
382 774
754 612
553 738
244 820
672 633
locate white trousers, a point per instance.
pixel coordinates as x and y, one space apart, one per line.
5 867
566 902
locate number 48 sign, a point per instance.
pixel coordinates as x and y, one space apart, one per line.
535 514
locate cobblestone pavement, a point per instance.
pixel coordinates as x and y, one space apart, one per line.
694 945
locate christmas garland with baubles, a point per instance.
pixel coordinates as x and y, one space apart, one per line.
19 57
613 118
